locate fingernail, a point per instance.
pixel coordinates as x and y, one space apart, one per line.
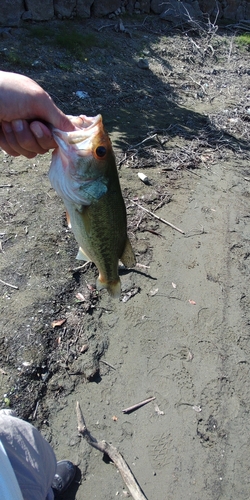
37 131
17 125
7 127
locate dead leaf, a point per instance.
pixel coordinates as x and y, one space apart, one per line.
192 302
58 322
80 297
58 341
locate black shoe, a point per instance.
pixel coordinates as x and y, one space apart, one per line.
65 473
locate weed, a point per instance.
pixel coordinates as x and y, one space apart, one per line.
244 40
64 66
15 57
41 32
66 38
75 43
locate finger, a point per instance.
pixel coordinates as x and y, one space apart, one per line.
19 139
43 135
5 146
53 115
25 138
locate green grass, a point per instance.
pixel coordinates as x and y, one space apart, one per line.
41 32
15 57
75 43
67 38
244 39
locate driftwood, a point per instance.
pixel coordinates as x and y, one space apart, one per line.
113 454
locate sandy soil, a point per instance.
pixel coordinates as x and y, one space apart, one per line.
180 332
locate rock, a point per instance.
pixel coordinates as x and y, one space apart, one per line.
157 6
5 35
181 12
41 11
27 15
105 7
11 12
234 10
143 6
209 6
83 8
64 8
143 64
130 6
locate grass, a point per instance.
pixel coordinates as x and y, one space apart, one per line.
41 32
244 40
75 43
67 38
15 57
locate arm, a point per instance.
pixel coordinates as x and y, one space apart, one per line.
24 107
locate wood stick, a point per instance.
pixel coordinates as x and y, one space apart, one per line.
113 454
8 284
138 405
158 218
108 364
6 185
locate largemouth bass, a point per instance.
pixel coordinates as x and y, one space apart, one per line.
83 172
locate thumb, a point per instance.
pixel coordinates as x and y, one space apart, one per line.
59 120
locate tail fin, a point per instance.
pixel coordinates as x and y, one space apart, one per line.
113 287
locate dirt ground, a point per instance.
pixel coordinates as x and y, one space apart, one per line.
180 332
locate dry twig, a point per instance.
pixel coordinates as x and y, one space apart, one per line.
8 284
158 218
107 364
113 454
138 405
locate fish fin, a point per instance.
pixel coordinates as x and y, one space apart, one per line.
68 220
113 287
128 256
81 255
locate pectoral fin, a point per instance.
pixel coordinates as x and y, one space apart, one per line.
128 256
81 255
68 220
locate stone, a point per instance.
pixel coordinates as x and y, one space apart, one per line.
208 6
41 11
27 15
11 12
143 64
83 8
64 8
181 12
157 6
234 10
144 6
105 7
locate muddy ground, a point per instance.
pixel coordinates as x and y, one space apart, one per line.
180 332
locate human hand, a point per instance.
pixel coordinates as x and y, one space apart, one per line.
24 107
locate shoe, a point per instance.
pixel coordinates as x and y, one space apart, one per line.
65 473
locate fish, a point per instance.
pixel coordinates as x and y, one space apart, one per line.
83 172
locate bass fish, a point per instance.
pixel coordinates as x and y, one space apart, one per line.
83 172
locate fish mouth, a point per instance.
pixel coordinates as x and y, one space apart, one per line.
81 139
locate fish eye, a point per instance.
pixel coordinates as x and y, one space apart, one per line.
100 151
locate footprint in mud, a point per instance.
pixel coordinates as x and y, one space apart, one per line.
127 431
160 453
